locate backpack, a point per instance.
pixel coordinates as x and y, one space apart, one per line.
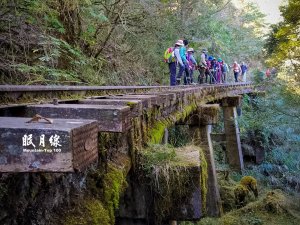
169 56
236 67
190 62
224 68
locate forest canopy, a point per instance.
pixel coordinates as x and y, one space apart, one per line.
118 42
283 44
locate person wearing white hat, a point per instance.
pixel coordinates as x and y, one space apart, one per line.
170 57
192 63
179 43
203 67
185 67
180 63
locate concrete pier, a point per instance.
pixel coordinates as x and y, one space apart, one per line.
233 143
201 128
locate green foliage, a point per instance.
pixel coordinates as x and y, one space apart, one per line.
53 22
117 43
284 42
258 76
177 136
270 123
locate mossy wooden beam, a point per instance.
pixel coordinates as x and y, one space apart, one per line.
203 115
231 101
157 130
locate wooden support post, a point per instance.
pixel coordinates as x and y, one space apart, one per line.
233 143
166 136
201 129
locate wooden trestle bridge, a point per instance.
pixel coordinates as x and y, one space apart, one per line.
56 129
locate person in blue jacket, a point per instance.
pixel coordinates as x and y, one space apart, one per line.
192 63
172 57
244 69
185 68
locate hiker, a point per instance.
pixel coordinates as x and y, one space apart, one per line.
268 73
213 70
244 69
192 63
179 62
219 65
202 67
169 57
208 72
273 72
185 68
236 70
225 70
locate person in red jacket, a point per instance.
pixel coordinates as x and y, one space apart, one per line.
268 73
236 71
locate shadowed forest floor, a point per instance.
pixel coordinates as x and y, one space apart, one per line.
273 207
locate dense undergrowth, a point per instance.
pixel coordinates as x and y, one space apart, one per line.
94 42
269 124
273 208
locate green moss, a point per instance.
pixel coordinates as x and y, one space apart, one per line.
228 198
157 155
170 173
99 208
131 104
240 193
99 215
114 183
92 212
187 110
204 180
157 130
275 202
250 183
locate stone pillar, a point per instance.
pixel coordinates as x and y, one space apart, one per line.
233 143
200 127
